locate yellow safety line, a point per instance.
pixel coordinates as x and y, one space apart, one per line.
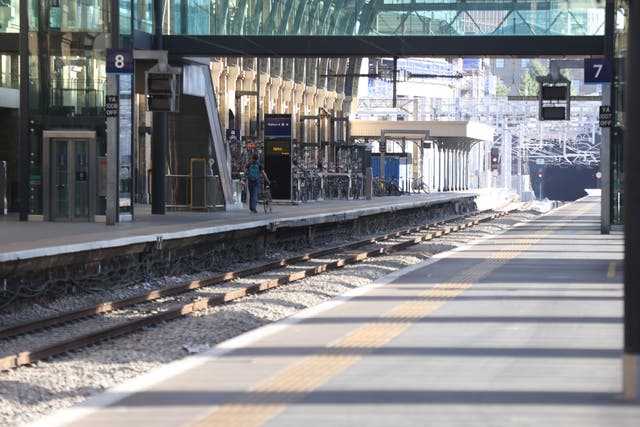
313 371
612 270
254 408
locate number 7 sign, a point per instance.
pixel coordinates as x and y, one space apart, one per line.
597 70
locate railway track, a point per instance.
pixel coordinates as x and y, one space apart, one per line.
37 340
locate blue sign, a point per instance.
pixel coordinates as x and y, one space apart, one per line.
471 63
233 135
120 61
277 126
597 71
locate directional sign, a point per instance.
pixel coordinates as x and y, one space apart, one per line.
597 70
111 106
605 116
120 61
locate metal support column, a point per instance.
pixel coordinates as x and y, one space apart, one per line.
159 132
112 157
458 157
258 99
447 168
466 170
3 188
443 169
605 169
440 167
159 163
605 143
24 111
113 134
454 169
631 356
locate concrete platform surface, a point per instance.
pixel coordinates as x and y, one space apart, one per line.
31 239
522 329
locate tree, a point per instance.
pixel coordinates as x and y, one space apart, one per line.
529 85
501 88
537 69
567 75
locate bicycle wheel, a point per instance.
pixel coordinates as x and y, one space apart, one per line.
266 203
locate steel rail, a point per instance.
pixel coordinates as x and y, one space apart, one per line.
47 322
27 357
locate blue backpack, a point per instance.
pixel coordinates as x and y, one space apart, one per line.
254 171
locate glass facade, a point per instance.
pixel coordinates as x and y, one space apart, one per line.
10 71
67 78
333 17
67 41
142 12
10 16
143 15
385 17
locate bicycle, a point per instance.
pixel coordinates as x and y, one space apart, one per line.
296 196
393 189
266 197
379 187
418 185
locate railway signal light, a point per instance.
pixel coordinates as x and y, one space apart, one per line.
540 175
163 91
495 159
553 113
554 98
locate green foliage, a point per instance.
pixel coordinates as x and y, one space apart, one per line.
501 88
567 74
537 69
529 85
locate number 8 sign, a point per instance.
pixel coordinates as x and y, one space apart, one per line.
119 61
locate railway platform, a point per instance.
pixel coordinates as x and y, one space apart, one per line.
34 239
521 329
37 252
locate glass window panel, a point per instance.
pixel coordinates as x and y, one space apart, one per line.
81 179
60 174
125 144
144 15
77 84
34 13
10 16
10 71
125 17
82 15
348 17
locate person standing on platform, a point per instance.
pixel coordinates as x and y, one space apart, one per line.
255 171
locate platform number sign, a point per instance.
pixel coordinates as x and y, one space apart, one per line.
120 61
597 70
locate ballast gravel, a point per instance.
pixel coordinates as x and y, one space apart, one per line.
31 392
